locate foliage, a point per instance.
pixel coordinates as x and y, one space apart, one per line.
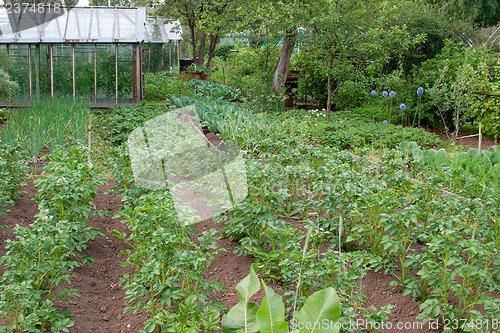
480 12
47 124
120 121
107 75
196 69
249 69
13 168
215 90
159 85
379 205
41 256
168 266
458 83
8 87
321 308
223 51
487 106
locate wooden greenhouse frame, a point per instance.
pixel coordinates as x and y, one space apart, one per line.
83 35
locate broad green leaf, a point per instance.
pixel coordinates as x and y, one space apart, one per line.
241 318
248 287
320 313
271 315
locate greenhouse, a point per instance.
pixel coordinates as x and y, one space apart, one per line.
94 53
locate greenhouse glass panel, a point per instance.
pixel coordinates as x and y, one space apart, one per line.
95 53
84 71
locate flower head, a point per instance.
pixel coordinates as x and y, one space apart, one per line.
420 91
374 93
385 94
392 94
385 122
402 107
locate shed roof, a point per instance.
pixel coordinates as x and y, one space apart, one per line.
85 25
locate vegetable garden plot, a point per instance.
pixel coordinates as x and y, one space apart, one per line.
367 209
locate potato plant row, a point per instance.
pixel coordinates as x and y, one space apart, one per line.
41 256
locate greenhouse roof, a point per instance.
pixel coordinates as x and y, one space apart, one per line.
86 25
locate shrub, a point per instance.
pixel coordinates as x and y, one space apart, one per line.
159 85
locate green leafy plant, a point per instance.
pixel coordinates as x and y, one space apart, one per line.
48 124
167 281
39 259
320 313
13 167
159 85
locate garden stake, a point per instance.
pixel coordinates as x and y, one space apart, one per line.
306 244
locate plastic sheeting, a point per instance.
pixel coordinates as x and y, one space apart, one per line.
86 25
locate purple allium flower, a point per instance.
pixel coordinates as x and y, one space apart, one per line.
392 94
402 107
374 93
384 93
420 91
385 122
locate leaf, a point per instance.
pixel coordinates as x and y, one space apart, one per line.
320 313
242 316
248 287
271 315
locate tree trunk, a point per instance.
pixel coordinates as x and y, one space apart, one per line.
192 30
213 44
281 70
201 51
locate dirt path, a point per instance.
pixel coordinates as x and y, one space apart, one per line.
99 308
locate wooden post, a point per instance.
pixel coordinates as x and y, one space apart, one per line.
95 73
136 73
116 73
73 71
51 71
480 136
37 72
30 84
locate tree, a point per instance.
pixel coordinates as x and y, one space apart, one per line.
330 32
281 19
205 20
359 43
220 17
483 12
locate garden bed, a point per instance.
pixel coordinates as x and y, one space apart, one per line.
101 303
353 192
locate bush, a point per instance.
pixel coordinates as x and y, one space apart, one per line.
452 79
159 85
251 70
350 95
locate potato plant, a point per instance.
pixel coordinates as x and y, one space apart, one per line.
169 262
41 256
